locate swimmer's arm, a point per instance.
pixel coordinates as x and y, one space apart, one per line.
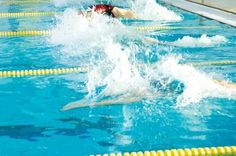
155 41
124 100
80 104
123 13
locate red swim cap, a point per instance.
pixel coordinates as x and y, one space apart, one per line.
103 8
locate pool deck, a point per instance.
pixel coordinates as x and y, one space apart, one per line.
209 12
225 5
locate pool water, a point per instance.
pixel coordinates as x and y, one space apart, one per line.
31 122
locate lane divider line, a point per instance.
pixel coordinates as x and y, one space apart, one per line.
47 32
58 71
215 63
174 27
38 72
26 14
24 33
207 151
24 2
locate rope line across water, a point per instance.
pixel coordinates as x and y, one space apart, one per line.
174 27
25 2
24 33
47 32
216 63
38 72
208 151
26 14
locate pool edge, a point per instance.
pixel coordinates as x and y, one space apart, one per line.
209 12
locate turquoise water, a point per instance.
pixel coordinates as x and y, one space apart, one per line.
31 122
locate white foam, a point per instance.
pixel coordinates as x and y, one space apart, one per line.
150 10
63 3
99 37
73 3
79 34
74 31
123 78
113 66
198 85
144 9
203 41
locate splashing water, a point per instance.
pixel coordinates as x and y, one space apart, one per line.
72 3
124 78
150 10
144 9
197 84
203 41
114 72
99 35
79 34
63 3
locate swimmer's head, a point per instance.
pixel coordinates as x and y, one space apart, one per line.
100 8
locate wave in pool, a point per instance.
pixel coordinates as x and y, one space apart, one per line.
197 85
72 3
144 9
110 49
126 79
79 34
203 41
79 3
150 10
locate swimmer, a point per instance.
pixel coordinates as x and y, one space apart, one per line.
163 89
109 10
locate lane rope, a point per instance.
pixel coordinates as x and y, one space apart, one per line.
38 72
47 32
24 2
58 71
24 33
216 63
174 28
26 14
207 151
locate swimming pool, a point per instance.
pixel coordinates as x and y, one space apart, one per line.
31 122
